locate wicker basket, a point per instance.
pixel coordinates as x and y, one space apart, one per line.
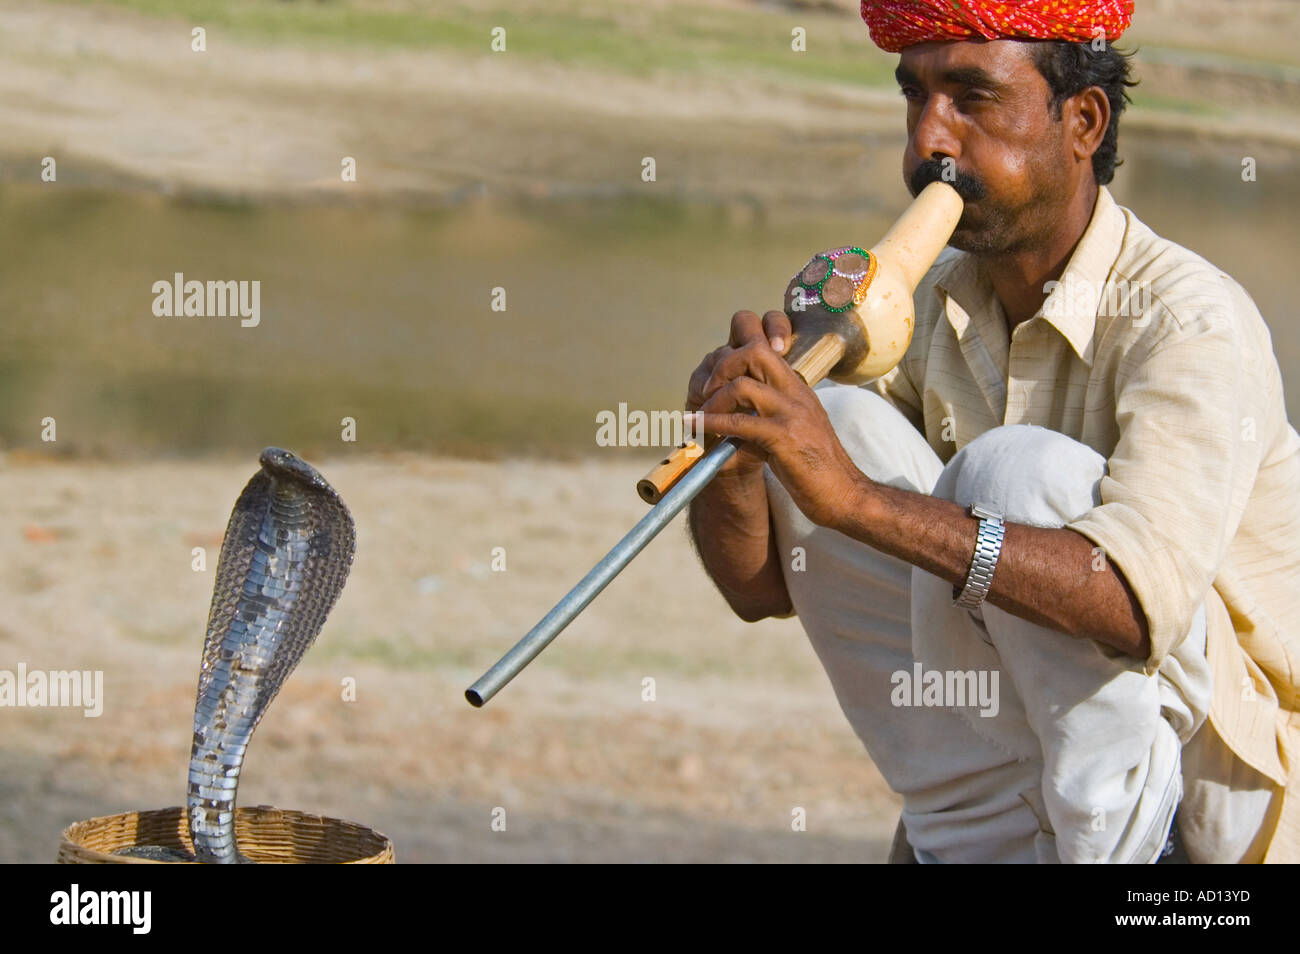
264 834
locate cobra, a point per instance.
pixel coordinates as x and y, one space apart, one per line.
286 554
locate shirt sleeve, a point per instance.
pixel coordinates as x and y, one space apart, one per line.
1181 473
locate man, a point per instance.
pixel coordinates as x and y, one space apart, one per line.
1120 464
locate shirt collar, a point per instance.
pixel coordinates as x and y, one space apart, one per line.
1073 301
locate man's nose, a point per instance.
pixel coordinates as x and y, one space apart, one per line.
934 136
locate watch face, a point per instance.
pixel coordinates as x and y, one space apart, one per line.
984 513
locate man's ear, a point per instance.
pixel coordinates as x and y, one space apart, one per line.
1086 116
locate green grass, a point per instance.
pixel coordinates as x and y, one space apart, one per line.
614 35
618 36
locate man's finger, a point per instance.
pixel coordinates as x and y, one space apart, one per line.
695 394
756 430
745 327
757 361
745 394
776 325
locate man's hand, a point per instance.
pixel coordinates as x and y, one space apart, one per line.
788 429
773 332
729 520
746 329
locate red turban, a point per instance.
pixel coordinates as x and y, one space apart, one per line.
896 24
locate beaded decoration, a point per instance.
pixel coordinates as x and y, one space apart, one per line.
837 279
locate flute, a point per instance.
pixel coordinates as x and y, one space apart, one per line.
852 318
850 311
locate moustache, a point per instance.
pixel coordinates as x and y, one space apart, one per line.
967 186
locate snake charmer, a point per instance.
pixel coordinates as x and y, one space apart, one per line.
1079 488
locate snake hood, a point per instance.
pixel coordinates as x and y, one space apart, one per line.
286 554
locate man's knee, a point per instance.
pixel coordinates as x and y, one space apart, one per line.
1030 474
882 443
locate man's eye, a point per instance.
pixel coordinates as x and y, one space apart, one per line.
910 92
977 96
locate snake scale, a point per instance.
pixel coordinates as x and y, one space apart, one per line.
285 557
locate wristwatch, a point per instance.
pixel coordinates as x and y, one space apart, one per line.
988 545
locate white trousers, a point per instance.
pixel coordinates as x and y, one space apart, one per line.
1009 741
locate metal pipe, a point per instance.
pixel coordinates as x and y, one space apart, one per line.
577 599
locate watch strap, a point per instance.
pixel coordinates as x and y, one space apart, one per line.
988 547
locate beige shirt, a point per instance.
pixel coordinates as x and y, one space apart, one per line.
1161 363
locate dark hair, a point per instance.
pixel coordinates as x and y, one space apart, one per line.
1070 68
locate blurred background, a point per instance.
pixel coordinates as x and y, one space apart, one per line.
475 428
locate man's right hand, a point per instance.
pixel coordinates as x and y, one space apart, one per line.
729 519
747 331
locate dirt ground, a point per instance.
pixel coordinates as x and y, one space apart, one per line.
743 729
115 96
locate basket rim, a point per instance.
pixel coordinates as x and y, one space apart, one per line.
72 836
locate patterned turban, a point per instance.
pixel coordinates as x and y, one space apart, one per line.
896 24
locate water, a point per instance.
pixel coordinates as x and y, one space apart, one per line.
384 315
